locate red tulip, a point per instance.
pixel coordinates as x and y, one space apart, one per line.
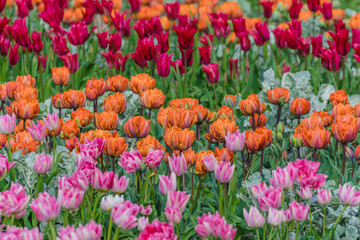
143 29
185 36
135 5
14 55
177 65
355 37
212 72
220 24
260 33
207 40
267 6
326 10
304 46
339 25
341 40
188 59
19 32
245 43
205 54
313 5
295 9
330 60
37 44
24 7
4 46
59 45
292 40
163 41
147 48
139 60
121 24
71 61
79 33
116 61
234 68
2 6
172 10
163 64
41 62
295 26
317 45
3 21
102 38
357 52
280 37
238 25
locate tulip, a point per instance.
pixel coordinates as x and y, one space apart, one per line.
92 149
219 23
147 143
152 98
14 201
212 72
224 172
341 40
355 40
95 88
89 231
283 177
173 215
120 184
326 10
253 218
239 25
313 5
124 215
257 140
177 199
4 44
339 96
5 166
219 129
135 5
258 190
153 158
141 82
158 229
280 37
122 23
142 223
137 127
185 36
298 211
45 207
7 124
295 9
272 198
267 6
20 33
300 106
37 44
106 120
324 196
51 121
179 139
73 99
210 162
250 105
102 181
163 65
330 60
205 54
275 217
349 196
117 83
43 163
167 184
131 161
305 193
345 129
102 38
70 61
214 225
145 210
78 33
70 198
317 138
172 10
14 55
245 43
178 164
278 96
109 202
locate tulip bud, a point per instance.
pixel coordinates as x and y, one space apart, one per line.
280 128
349 153
279 136
296 141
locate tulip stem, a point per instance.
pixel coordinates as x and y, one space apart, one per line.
149 115
184 181
117 231
95 205
271 233
12 170
261 162
214 90
324 221
146 184
278 115
108 237
311 226
221 195
257 233
54 157
344 73
343 161
297 231
192 183
66 217
52 230
337 221
138 182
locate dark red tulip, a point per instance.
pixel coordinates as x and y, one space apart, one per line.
292 40
88 15
206 39
3 22
304 46
102 38
37 44
148 49
267 6
2 6
71 61
220 24
188 59
185 36
172 10
317 45
339 25
185 21
326 10
14 55
330 60
238 25
355 37
280 37
107 5
357 52
4 46
59 45
139 60
234 68
94 5
296 27
341 40
163 64
121 23
285 68
177 65
24 7
212 72
205 54
19 32
114 42
135 5
53 14
295 9
163 41
116 60
143 29
260 33
41 62
245 43
313 5
79 33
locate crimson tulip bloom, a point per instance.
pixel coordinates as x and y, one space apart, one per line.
317 45
163 64
3 22
357 52
280 37
207 39
205 54
2 6
41 62
4 46
102 38
292 40
185 36
260 33
234 68
341 40
326 10
220 24
295 9
339 25
139 59
24 7
238 25
14 55
188 59
143 28
59 45
116 60
122 24
330 60
37 44
163 41
177 65
212 72
355 37
147 48
267 6
172 10
245 43
114 42
71 61
295 26
304 46
313 5
19 32
79 33
135 5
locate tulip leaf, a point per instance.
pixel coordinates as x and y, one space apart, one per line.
252 83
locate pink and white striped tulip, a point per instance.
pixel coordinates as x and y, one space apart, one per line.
7 124
51 121
14 201
145 210
349 196
253 218
43 163
305 193
283 177
177 199
178 164
109 202
102 181
167 184
153 158
45 207
5 166
298 211
210 162
224 172
236 141
258 190
37 131
173 215
142 223
275 217
91 231
131 161
272 199
120 184
124 215
324 196
70 198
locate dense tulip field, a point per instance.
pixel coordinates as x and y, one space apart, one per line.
194 119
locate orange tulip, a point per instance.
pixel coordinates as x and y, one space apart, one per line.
69 129
181 117
300 106
230 100
137 127
115 146
250 105
56 131
73 99
115 102
152 98
278 96
342 109
326 117
201 113
147 143
257 120
71 143
28 93
179 139
219 129
141 82
312 122
20 126
211 117
345 128
226 112
82 116
94 88
61 75
107 120
257 140
93 134
56 101
224 155
117 83
25 109
14 86
357 110
27 80
317 138
24 142
3 141
184 102
200 168
3 94
339 96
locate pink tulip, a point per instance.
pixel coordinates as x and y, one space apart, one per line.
275 217
324 196
67 233
304 167
51 121
286 214
349 196
33 234
7 124
305 193
102 181
145 210
91 231
37 131
142 223
283 177
210 162
79 180
153 158
43 163
45 207
5 166
313 180
298 211
14 201
173 215
110 201
158 230
178 164
177 199
131 161
253 218
205 225
70 198
236 141
272 199
120 184
167 184
92 148
258 190
224 172
124 215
